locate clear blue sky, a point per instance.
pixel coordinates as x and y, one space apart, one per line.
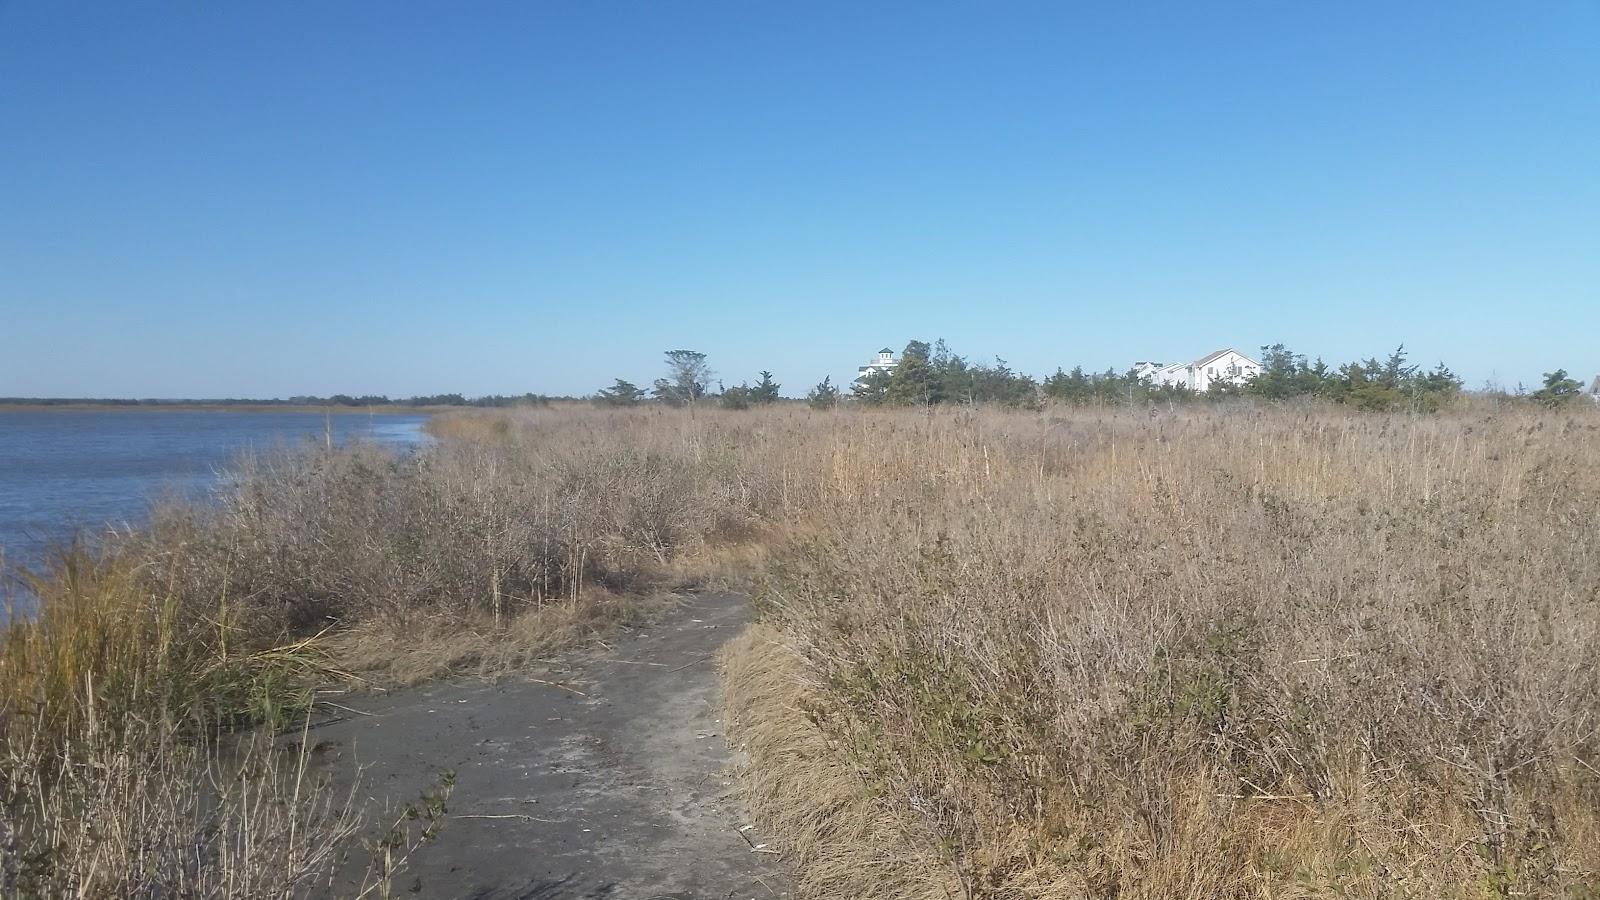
206 199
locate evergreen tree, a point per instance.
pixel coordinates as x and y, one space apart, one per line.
999 384
765 391
1281 375
1069 387
1434 389
1558 389
952 379
1108 389
874 389
913 380
1314 378
622 393
824 395
737 397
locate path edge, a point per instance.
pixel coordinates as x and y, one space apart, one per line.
839 841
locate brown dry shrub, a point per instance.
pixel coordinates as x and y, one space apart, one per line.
841 840
1246 653
497 520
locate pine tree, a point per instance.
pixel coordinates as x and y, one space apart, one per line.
912 382
873 390
1558 389
824 395
739 397
766 390
623 393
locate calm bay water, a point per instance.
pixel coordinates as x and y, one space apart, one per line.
68 470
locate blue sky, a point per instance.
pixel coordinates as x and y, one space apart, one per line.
274 199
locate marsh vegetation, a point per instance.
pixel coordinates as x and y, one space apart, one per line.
1219 651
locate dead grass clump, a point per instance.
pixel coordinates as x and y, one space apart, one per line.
843 841
147 815
112 782
429 646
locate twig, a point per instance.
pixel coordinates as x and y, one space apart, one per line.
753 847
1351 655
559 685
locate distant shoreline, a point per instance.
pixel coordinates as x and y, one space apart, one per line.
387 409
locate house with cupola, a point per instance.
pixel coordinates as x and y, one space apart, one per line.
883 362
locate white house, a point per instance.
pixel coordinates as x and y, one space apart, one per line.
1223 365
1594 390
884 362
1147 369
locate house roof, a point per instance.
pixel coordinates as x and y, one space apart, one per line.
1595 388
1217 355
886 350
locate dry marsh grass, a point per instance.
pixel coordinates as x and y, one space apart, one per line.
843 840
1222 652
480 554
113 782
1243 653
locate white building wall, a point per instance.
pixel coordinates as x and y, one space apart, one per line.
1230 365
1176 376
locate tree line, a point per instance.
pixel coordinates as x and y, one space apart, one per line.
933 374
687 382
336 400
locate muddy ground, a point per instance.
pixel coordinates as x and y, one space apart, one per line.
607 778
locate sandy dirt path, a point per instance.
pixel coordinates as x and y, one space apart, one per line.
621 791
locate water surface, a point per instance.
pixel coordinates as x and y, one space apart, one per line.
66 471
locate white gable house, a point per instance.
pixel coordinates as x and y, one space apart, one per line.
883 362
1224 365
1148 370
